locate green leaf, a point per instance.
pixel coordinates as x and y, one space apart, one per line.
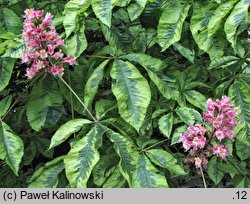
170 25
5 105
12 21
103 108
196 99
104 168
132 92
47 175
93 82
177 133
236 18
103 10
239 92
6 67
134 11
11 147
153 66
67 129
30 151
77 5
44 96
136 168
71 11
15 52
165 160
218 16
146 61
202 13
77 43
242 150
185 52
42 145
69 22
223 62
213 171
122 3
188 115
82 158
148 175
166 124
116 180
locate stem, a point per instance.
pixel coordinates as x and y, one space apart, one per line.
74 93
143 150
203 178
71 102
18 98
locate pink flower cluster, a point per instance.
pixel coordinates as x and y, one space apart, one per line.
221 118
43 45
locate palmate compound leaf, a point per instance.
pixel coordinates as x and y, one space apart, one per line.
132 92
11 147
165 160
170 25
93 82
103 10
135 167
64 132
239 14
45 95
47 175
82 157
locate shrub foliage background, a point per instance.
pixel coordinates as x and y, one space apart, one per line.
145 69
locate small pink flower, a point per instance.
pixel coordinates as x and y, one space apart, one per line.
25 57
38 14
29 13
60 43
58 55
222 151
47 20
43 54
220 135
50 49
187 145
31 72
198 162
57 70
70 60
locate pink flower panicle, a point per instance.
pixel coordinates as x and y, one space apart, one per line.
221 116
43 45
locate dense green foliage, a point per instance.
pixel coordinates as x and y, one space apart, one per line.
145 70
